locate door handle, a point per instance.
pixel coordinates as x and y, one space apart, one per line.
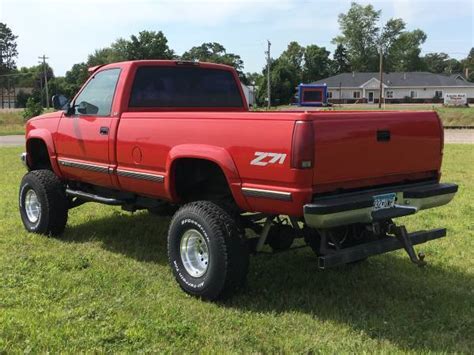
104 131
383 136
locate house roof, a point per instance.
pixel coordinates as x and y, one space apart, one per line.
395 79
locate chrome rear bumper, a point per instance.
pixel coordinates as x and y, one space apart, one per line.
357 207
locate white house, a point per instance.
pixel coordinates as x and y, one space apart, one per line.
397 87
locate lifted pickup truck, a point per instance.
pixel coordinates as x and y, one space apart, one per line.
177 138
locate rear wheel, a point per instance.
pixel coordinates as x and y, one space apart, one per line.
206 251
43 203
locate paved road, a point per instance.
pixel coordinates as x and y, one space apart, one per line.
464 136
12 141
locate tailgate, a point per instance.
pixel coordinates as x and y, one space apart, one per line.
360 149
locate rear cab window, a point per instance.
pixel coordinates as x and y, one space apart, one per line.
184 87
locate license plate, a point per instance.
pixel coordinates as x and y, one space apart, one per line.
384 201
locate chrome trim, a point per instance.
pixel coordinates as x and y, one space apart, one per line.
272 194
23 158
85 166
140 176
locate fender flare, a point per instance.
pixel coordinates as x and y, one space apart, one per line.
47 138
217 155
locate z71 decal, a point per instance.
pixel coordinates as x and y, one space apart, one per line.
265 158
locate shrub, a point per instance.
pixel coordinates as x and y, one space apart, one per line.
33 108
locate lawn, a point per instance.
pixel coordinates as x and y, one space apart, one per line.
451 116
105 286
11 122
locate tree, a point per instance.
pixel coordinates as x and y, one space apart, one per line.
435 62
340 60
21 98
34 77
468 63
105 56
215 53
283 76
359 35
453 66
317 64
252 78
74 79
294 55
363 38
147 45
404 52
8 51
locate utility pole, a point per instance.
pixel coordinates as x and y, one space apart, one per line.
45 78
268 73
380 75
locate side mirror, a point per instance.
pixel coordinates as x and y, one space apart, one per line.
86 108
60 102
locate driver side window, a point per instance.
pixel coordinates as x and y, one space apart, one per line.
96 98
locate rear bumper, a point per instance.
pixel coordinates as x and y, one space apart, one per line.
349 208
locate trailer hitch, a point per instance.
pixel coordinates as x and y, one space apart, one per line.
401 234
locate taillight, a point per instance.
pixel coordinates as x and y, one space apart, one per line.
302 149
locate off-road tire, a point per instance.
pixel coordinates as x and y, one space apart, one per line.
228 254
51 195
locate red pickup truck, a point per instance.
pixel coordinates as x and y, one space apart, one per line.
177 138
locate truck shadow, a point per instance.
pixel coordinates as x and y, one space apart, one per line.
140 236
386 298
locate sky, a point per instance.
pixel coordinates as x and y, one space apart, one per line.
68 31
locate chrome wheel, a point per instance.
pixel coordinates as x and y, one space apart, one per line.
194 253
32 206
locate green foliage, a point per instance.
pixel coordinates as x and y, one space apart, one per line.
33 108
8 51
215 53
22 98
435 62
404 52
295 65
468 64
317 64
340 61
75 78
147 45
362 37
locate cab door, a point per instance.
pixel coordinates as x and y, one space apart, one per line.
82 141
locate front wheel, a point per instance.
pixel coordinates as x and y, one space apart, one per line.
206 251
43 203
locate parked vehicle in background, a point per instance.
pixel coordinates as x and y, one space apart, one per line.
176 138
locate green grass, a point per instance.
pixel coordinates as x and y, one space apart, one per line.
11 122
451 116
105 286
